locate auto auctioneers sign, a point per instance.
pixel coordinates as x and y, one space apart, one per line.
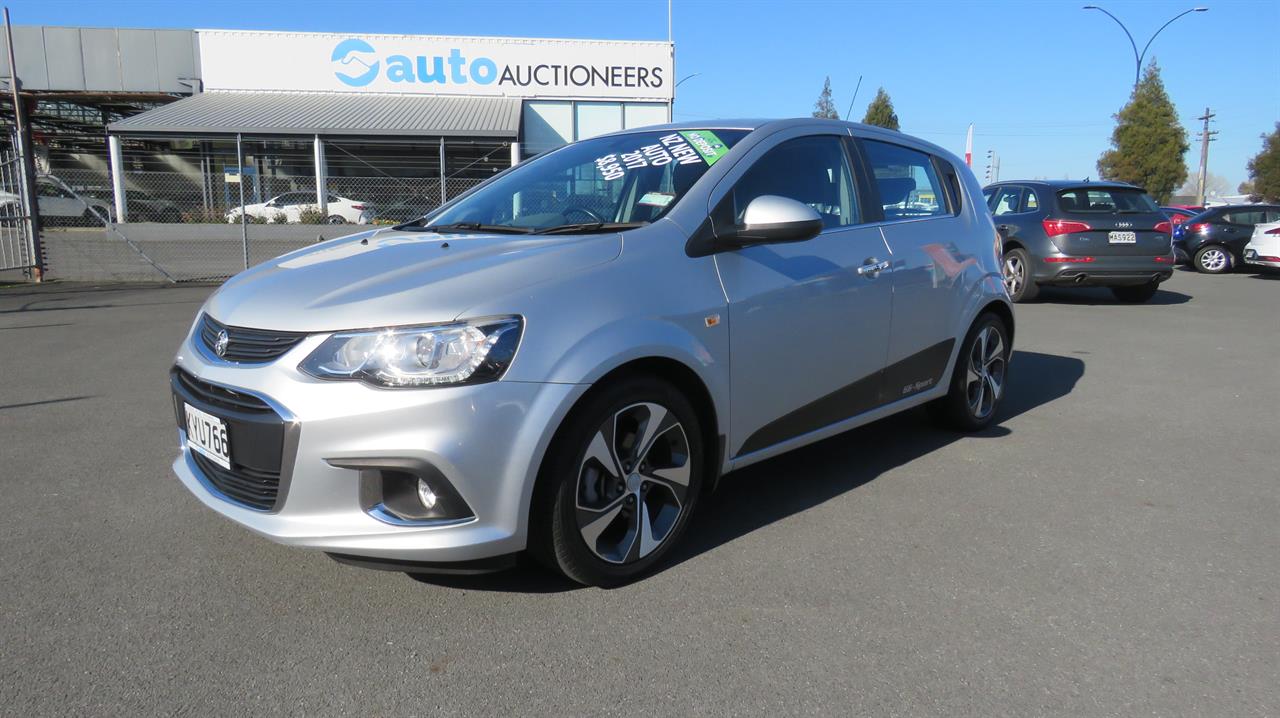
434 65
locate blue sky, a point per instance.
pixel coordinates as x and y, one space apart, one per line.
1040 78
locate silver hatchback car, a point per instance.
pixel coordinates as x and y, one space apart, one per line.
564 360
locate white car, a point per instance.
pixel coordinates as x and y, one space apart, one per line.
290 205
60 207
1264 246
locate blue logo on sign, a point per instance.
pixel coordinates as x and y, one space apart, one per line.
348 54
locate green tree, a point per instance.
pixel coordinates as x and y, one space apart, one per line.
824 107
1264 169
880 112
1148 142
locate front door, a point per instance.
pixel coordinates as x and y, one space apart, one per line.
808 321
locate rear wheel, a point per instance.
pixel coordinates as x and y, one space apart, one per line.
336 219
979 379
1136 295
1017 276
621 481
1213 259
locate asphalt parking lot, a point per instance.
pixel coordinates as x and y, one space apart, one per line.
1112 547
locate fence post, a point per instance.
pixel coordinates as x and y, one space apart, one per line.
244 226
443 198
117 178
22 131
322 178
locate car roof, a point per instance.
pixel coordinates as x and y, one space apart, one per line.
1068 184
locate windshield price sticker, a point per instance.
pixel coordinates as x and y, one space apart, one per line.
698 146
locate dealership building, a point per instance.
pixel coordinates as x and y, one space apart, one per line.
180 122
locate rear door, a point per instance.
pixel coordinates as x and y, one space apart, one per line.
1108 222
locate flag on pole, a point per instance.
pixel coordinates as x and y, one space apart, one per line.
968 147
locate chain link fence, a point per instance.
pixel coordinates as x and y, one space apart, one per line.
185 199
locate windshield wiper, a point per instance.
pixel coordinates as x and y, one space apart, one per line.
589 227
468 227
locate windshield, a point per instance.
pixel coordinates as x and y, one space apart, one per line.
605 183
1107 200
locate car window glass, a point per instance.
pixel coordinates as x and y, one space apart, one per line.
1248 217
631 177
45 189
988 195
1006 201
1030 202
1106 200
909 186
811 170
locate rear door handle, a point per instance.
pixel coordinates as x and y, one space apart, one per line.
872 268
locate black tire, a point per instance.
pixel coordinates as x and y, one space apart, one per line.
1207 261
1021 288
956 409
335 219
556 534
1136 294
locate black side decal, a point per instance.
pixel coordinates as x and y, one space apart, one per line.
918 372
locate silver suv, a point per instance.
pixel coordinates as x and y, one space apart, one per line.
564 360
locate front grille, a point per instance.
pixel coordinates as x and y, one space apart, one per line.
256 434
220 396
250 346
258 489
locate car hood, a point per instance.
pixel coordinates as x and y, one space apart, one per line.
388 278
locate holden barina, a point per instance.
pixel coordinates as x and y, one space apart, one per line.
564 361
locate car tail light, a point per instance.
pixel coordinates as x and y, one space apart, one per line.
1164 260
1055 227
1063 260
1273 231
1200 227
359 207
1164 227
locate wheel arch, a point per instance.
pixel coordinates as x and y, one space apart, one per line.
667 369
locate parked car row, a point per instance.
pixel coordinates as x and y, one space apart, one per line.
1113 234
291 207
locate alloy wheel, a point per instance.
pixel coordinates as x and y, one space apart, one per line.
1213 260
984 378
633 483
1015 273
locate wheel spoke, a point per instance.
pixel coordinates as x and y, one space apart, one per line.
996 350
659 421
593 522
599 450
647 542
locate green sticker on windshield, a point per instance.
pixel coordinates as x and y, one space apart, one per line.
711 148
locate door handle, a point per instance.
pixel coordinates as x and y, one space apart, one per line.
872 268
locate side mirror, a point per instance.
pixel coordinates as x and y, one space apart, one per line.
770 218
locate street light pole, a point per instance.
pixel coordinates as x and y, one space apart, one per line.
1139 56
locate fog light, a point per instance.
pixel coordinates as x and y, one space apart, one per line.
426 495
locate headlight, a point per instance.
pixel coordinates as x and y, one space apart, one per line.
443 354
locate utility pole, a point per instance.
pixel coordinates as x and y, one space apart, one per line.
1206 136
993 166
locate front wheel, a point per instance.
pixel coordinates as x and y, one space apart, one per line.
979 379
619 484
1135 295
335 219
1213 259
1018 281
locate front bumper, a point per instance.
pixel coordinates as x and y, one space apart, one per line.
486 440
1106 271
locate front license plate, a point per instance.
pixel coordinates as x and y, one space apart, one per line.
1122 237
207 434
